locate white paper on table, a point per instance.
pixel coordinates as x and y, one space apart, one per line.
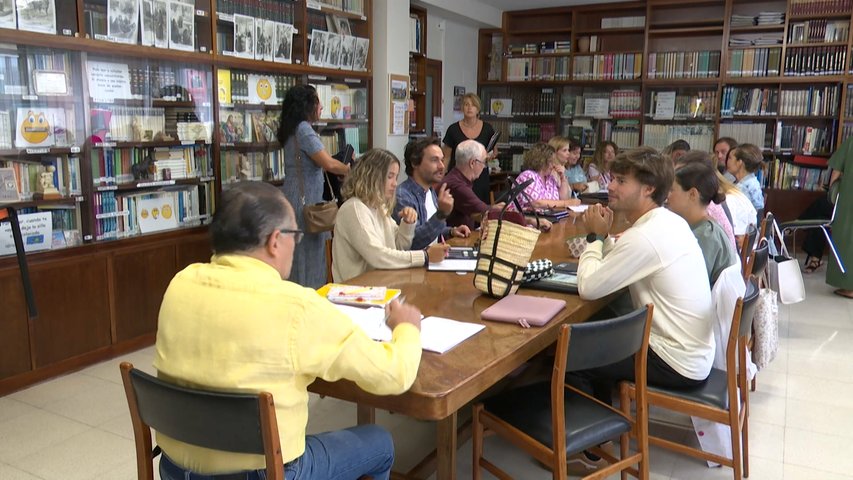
578 208
454 265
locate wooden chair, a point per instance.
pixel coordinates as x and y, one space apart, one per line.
723 398
329 259
551 420
243 423
746 247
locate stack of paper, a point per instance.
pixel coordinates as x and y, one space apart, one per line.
358 295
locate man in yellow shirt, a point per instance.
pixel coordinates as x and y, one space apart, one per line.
236 325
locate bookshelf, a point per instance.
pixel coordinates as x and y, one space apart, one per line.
150 114
417 69
775 73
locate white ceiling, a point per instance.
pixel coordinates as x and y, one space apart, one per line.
530 4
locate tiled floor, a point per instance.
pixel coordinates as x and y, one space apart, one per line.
77 427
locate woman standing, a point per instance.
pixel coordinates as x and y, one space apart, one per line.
470 128
303 184
842 227
366 237
602 159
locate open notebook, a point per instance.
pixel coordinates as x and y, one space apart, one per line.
437 334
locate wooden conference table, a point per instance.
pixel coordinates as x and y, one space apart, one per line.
446 383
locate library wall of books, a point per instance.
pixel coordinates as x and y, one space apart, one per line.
774 73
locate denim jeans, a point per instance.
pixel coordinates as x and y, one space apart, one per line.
339 455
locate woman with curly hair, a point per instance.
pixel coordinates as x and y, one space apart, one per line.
301 107
598 168
550 187
366 237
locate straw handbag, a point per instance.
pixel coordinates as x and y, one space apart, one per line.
504 254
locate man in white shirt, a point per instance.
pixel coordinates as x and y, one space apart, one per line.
660 262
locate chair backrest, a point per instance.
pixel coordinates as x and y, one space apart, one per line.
240 423
599 343
741 321
759 257
766 230
746 249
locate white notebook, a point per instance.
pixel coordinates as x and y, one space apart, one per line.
437 334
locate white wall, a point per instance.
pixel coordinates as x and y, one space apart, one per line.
390 55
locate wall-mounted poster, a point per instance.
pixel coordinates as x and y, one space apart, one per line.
36 15
244 36
122 20
283 42
181 26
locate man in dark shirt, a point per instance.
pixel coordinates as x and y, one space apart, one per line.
425 168
467 206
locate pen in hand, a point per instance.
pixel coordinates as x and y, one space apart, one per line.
400 300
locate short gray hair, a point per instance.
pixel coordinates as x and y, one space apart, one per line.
469 149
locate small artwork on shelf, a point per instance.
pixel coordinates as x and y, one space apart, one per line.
332 57
155 21
50 82
122 18
244 36
39 127
359 62
318 48
264 30
7 14
347 52
342 26
181 26
233 128
283 43
8 186
36 15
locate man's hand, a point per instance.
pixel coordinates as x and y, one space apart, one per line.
438 252
598 219
461 231
445 200
402 313
409 215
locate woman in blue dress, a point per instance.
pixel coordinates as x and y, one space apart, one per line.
301 107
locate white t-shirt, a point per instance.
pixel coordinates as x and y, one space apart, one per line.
660 262
743 213
429 205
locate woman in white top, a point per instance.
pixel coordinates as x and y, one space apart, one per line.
366 237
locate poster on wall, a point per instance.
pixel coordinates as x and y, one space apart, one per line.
399 87
458 91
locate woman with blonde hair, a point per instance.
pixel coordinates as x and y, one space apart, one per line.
599 168
569 155
550 187
470 127
366 237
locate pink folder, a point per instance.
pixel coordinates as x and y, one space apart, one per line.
525 310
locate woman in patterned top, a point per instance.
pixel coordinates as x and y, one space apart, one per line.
550 188
599 168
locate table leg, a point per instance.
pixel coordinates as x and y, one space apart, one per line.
365 415
446 448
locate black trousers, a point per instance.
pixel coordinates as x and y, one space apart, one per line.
814 243
599 382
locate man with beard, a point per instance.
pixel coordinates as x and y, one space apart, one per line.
425 168
660 262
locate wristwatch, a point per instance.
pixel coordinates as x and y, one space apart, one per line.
591 237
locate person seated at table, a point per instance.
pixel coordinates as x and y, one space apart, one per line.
598 168
366 237
550 187
716 211
425 168
569 155
743 162
676 149
722 147
695 187
237 324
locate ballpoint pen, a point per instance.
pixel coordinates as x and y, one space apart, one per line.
401 300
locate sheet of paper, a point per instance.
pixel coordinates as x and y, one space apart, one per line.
371 320
578 208
454 265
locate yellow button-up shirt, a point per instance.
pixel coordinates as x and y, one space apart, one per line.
234 325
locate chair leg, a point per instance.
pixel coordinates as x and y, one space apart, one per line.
476 442
754 382
834 250
625 406
735 434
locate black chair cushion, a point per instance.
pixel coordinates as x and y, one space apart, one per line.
528 409
713 392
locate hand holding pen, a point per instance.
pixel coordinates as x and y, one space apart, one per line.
398 312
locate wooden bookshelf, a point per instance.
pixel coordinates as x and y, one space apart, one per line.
417 69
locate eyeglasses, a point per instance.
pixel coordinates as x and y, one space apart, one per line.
297 234
477 160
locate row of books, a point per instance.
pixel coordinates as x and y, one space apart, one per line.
613 104
5 130
754 62
538 68
762 40
699 64
846 131
818 7
237 166
624 133
17 69
522 134
552 46
237 87
786 175
684 105
350 6
609 66
764 18
623 22
525 102
822 101
117 123
113 166
147 80
415 34
746 132
66 175
700 136
816 31
739 101
276 10
816 61
120 215
848 101
804 138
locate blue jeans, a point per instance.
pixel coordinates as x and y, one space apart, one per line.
340 455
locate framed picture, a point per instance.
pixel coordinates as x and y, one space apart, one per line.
155 21
359 61
181 26
333 50
8 186
7 14
342 26
264 30
50 82
317 54
122 20
283 43
347 52
244 36
36 15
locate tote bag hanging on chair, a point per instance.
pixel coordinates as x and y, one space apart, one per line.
504 253
784 273
318 217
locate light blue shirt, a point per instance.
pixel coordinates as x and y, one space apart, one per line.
750 187
576 174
